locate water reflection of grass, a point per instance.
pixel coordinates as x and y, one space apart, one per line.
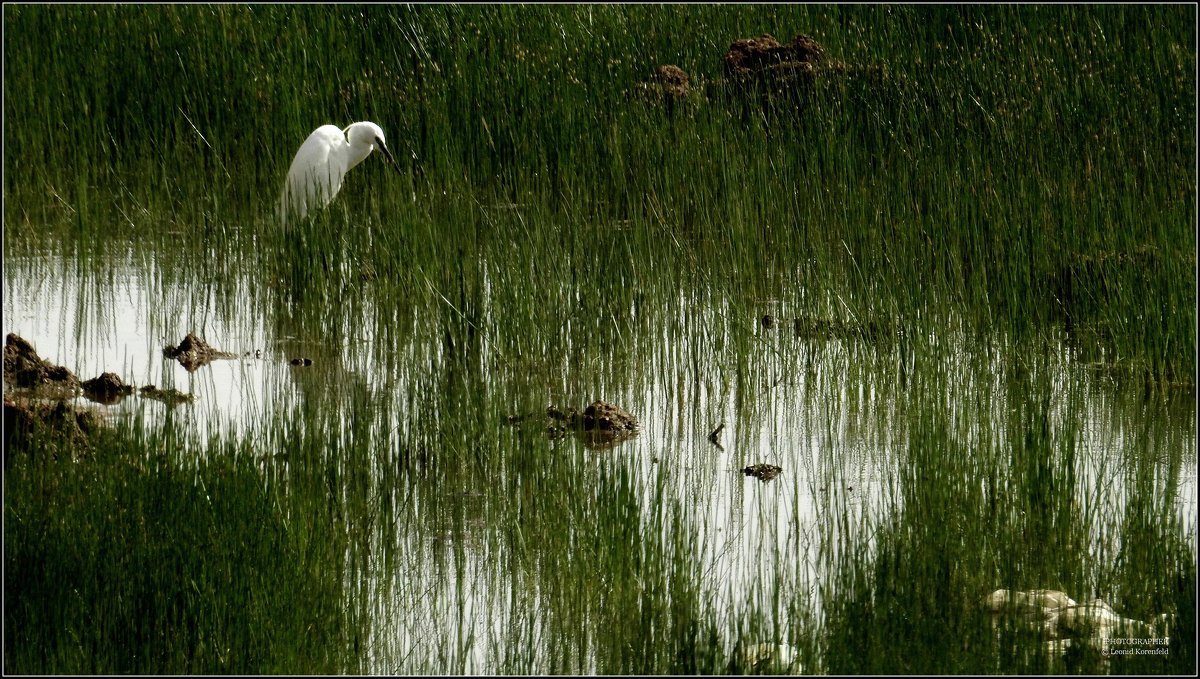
1025 172
1012 506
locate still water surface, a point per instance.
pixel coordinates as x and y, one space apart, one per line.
837 431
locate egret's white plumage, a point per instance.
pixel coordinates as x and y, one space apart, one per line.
321 164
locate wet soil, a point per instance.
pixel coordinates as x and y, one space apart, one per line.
193 353
753 59
600 425
169 396
53 425
23 368
668 85
40 379
871 331
37 408
107 389
762 70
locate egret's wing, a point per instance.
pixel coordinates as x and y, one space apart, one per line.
314 176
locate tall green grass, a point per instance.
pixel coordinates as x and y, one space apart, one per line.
124 562
1018 166
1019 175
1014 502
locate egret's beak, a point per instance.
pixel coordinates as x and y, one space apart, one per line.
387 154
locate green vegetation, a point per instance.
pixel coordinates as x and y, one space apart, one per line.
122 562
1026 167
980 268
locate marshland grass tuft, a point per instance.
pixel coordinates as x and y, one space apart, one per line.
974 239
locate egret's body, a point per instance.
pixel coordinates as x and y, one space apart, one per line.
321 164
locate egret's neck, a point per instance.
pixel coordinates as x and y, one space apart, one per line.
355 154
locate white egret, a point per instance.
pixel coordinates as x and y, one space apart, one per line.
322 162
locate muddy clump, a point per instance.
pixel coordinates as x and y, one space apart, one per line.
672 79
762 472
600 425
23 368
767 658
668 85
194 353
45 425
871 331
107 389
764 72
752 59
171 397
797 69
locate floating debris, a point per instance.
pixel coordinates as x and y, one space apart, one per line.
169 396
763 472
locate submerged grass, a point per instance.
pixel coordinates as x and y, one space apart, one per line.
1016 174
1014 503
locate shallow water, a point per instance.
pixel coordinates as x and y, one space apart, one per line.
441 592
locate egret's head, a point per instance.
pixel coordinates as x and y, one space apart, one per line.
368 136
364 134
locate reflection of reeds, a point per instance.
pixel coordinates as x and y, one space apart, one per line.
882 270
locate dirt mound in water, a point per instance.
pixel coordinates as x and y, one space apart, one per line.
796 68
762 472
761 70
25 369
107 389
668 86
171 397
193 353
600 425
673 79
750 59
52 426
